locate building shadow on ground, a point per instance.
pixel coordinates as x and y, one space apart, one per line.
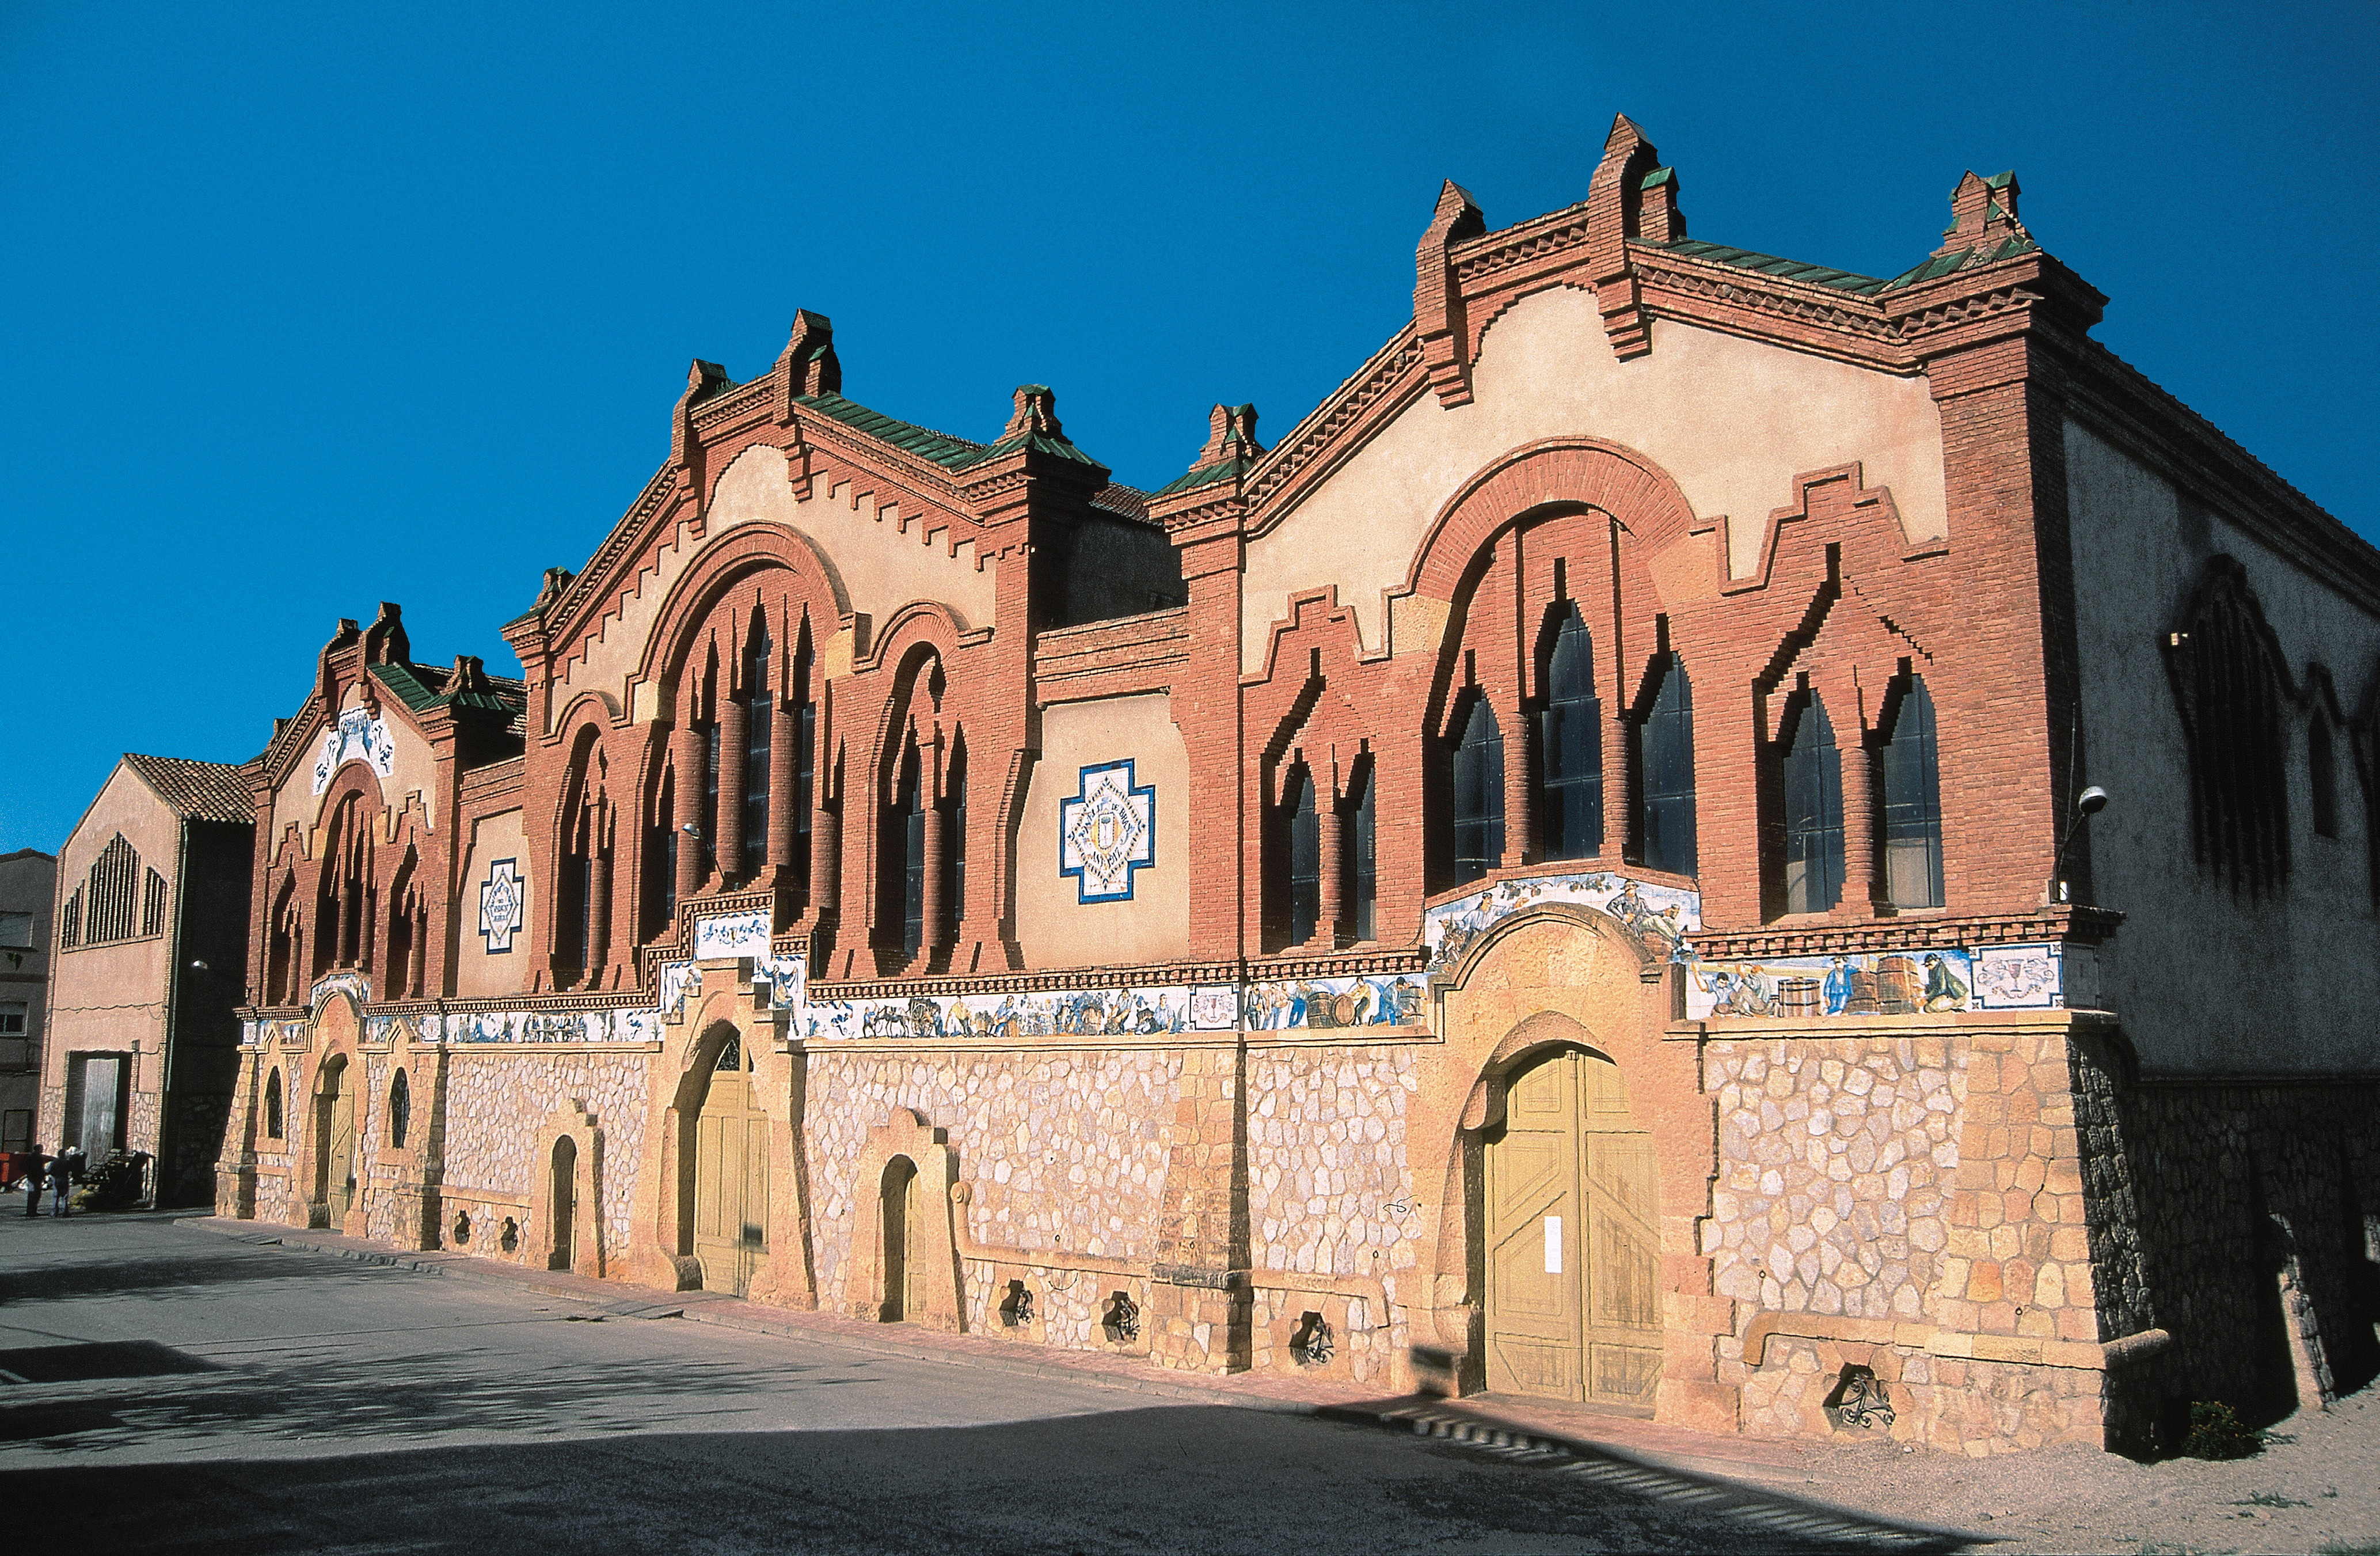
1191 1478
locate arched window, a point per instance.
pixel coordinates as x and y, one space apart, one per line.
1913 801
1478 795
1364 910
113 893
712 737
758 726
2323 773
1572 745
954 838
1666 749
273 1105
910 808
400 1111
805 796
1305 853
2232 692
660 855
1813 814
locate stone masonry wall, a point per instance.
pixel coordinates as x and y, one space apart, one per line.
1063 1151
2259 1235
496 1103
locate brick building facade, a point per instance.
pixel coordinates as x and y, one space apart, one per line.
1565 874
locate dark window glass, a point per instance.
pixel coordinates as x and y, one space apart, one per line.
273 1106
1367 876
1478 795
1912 803
2325 778
711 797
661 872
1572 745
912 875
1813 814
1305 856
805 777
1667 744
760 724
400 1109
956 842
578 902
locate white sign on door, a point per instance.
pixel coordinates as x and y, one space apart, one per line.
1553 1245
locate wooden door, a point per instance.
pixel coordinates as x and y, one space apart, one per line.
1573 1259
339 1151
731 1183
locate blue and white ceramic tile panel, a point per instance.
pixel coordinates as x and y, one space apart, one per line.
1657 916
676 978
787 978
355 985
1107 832
503 897
1121 1010
357 736
1939 982
731 934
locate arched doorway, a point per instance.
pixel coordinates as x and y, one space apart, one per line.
1573 1259
564 1202
334 1138
731 1175
900 1284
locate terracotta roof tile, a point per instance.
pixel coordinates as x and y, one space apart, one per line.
200 791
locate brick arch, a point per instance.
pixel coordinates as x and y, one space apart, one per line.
744 555
1552 975
1576 473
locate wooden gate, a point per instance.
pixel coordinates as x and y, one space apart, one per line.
336 1126
731 1177
1574 1257
564 1202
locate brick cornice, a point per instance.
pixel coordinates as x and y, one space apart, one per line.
2078 924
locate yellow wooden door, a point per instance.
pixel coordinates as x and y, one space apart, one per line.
1573 1303
731 1183
339 1161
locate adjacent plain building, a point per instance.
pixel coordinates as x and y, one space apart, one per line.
148 970
28 888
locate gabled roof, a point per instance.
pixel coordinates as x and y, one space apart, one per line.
198 791
1784 270
422 687
924 441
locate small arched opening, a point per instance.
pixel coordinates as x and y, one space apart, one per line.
900 1293
563 1204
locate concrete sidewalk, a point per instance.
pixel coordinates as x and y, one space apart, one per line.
1521 1425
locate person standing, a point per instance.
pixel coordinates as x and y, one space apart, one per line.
33 1176
62 1180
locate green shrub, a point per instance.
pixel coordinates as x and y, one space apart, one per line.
2216 1433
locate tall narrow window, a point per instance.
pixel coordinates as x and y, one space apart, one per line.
1572 745
1478 795
660 857
1305 855
955 844
758 730
2324 776
1912 802
1813 814
805 767
1665 743
153 904
913 873
273 1105
711 795
400 1111
1367 875
578 907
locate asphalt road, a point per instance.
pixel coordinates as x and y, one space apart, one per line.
168 1389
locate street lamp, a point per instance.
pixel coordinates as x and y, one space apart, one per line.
2087 804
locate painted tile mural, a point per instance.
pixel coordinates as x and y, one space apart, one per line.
1940 981
1657 916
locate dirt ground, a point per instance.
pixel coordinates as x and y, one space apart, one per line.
2314 1488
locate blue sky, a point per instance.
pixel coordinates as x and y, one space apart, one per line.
310 306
